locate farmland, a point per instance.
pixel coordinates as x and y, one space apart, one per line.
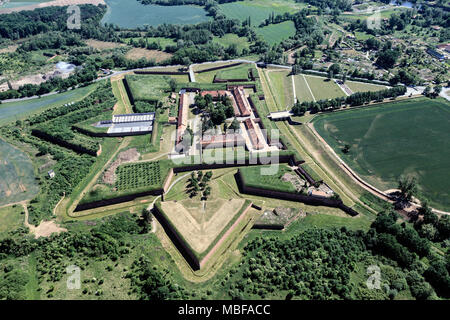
17 180
395 139
259 10
138 175
132 14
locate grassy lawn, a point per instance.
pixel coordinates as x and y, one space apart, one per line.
301 89
151 87
282 86
238 72
322 88
363 87
255 177
394 139
11 218
275 33
231 38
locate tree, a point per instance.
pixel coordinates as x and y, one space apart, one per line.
408 187
172 84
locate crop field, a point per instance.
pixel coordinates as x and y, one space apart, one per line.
394 139
363 87
138 175
275 33
258 10
255 176
17 180
281 83
132 14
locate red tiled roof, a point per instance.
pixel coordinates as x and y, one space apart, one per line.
252 134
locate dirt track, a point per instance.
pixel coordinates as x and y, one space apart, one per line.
56 3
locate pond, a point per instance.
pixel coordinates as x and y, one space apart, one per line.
406 4
133 14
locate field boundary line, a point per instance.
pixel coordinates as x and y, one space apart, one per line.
293 89
307 84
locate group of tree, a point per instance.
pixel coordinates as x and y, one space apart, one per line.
355 99
198 182
214 113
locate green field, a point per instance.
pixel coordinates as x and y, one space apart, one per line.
323 88
275 33
281 83
255 177
301 89
401 138
151 87
238 72
132 14
258 10
19 110
17 181
363 87
11 218
138 175
231 38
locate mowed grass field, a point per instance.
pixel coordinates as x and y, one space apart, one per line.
301 89
400 138
363 87
323 88
275 33
281 83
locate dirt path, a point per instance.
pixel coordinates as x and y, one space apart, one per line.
44 229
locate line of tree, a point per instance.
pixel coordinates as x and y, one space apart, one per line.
355 99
